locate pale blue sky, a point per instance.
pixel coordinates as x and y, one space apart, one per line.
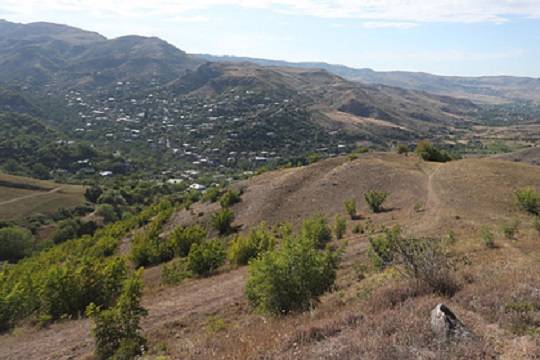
449 37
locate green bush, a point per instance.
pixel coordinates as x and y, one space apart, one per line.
107 212
403 149
230 198
350 207
117 330
212 194
375 199
340 227
175 272
292 277
317 230
182 238
245 248
428 152
205 258
487 237
148 248
222 221
15 243
527 199
381 248
510 230
358 229
537 223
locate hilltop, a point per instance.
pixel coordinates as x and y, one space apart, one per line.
370 314
481 89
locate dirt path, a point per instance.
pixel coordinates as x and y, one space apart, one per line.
11 201
72 339
432 206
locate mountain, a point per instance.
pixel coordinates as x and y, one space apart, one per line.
485 89
62 57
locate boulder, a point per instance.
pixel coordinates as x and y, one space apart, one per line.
445 324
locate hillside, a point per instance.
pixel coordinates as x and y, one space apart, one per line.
21 197
485 89
370 314
63 57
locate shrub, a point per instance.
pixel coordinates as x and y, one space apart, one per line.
381 248
15 243
488 239
212 194
537 223
375 199
316 230
426 261
107 212
403 149
93 193
245 248
222 221
206 258
230 198
428 152
510 230
291 278
527 199
175 272
117 330
340 227
182 238
358 229
350 207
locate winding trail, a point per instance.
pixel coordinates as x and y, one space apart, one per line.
30 196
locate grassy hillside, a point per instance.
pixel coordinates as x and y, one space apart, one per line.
21 197
372 313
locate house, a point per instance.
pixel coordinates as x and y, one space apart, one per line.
197 187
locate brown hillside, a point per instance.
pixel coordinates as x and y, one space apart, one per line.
371 315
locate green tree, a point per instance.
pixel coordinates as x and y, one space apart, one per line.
428 152
206 258
317 230
245 248
107 212
117 330
375 199
350 207
229 198
182 238
222 221
292 277
15 243
340 227
527 199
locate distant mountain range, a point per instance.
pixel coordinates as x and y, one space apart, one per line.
485 89
60 56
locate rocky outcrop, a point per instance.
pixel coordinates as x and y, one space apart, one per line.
445 324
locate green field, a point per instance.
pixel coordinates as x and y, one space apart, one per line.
21 197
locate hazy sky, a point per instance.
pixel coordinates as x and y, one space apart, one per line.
451 37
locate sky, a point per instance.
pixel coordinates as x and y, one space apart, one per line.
445 37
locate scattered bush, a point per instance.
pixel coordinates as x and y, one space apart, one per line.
375 199
358 229
350 207
527 199
15 243
510 230
212 194
182 238
403 149
245 248
175 272
488 239
381 248
537 223
116 330
93 193
107 212
340 227
222 221
230 198
428 152
317 230
291 278
206 258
